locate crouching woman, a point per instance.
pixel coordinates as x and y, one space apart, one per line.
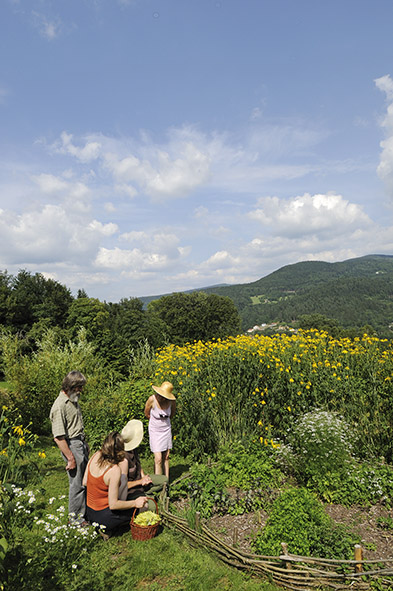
102 479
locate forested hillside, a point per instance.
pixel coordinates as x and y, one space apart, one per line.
355 292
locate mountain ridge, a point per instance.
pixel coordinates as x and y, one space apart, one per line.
355 292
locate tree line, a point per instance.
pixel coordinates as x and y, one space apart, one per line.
30 304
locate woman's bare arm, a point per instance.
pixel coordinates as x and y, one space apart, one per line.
113 481
148 406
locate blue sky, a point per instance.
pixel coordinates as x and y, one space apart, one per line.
151 146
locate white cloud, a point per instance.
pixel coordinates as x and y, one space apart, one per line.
49 28
89 152
190 160
49 235
310 214
385 167
131 261
48 183
165 173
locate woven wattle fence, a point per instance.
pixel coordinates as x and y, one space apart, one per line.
290 571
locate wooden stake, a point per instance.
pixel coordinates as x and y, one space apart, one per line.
235 536
358 556
197 520
284 548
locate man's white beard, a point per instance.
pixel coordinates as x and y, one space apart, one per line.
74 396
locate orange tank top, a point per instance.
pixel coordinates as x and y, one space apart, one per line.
97 491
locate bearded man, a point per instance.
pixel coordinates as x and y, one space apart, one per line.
69 436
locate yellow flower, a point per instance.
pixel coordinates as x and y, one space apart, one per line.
42 455
21 441
3 452
18 429
289 408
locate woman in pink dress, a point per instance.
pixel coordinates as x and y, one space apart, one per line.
159 409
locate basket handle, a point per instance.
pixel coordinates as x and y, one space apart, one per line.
136 508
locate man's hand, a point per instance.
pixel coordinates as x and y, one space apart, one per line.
71 464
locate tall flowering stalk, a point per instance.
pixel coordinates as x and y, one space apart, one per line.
15 440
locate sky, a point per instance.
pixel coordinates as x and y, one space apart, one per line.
155 146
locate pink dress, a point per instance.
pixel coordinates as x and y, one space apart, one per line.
160 433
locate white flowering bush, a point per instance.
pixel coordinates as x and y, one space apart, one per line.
44 550
320 443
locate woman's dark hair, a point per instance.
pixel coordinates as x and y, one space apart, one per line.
112 450
74 379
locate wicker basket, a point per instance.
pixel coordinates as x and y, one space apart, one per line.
143 532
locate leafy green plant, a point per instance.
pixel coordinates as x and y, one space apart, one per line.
360 484
298 518
239 482
249 465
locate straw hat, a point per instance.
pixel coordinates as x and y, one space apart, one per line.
165 390
132 434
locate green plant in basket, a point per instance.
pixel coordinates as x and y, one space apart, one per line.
147 518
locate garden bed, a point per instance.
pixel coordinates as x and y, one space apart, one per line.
376 541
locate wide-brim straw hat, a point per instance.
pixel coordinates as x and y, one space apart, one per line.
132 434
165 390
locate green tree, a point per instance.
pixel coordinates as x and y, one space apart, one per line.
194 316
32 298
90 314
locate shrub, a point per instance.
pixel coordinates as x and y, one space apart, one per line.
298 519
319 443
36 379
110 408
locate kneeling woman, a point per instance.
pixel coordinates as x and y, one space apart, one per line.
102 479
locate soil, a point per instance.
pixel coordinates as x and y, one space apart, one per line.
377 542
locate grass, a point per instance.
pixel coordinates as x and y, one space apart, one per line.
168 562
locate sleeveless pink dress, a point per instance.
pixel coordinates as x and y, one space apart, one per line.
160 432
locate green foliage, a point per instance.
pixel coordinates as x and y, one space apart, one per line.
27 299
360 484
247 465
298 519
194 316
319 442
238 482
36 379
87 313
112 406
